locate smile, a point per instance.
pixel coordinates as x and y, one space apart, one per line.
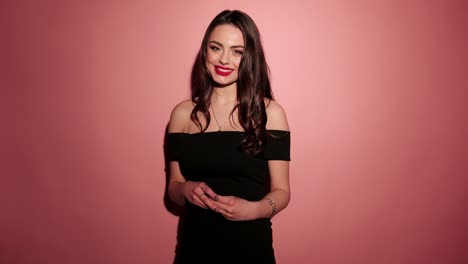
223 71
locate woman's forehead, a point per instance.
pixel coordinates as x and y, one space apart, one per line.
227 34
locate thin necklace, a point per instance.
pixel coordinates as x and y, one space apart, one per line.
216 120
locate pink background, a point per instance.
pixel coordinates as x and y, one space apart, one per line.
375 92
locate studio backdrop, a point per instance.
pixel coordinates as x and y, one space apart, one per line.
375 93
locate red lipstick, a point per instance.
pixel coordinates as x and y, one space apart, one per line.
223 71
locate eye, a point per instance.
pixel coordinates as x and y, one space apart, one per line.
214 48
238 52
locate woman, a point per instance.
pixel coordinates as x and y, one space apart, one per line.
231 175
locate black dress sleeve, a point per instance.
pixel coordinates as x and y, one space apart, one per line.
278 145
173 146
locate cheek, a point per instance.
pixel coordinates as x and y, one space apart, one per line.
237 62
208 63
210 57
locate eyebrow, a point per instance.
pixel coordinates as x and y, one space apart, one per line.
235 46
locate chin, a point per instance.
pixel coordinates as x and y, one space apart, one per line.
222 84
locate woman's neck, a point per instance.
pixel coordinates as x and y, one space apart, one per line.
225 95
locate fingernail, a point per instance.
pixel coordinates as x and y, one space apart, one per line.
215 198
216 210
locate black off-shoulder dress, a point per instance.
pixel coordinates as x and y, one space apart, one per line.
216 159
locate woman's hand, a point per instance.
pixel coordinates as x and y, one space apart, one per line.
198 193
235 208
231 207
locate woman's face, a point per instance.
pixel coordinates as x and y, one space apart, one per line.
224 53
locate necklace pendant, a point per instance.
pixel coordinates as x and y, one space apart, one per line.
216 120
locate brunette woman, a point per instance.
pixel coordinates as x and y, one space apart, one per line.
229 149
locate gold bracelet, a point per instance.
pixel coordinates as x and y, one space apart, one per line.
273 206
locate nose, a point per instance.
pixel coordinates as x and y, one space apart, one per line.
224 59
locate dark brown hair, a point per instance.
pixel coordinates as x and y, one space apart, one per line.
253 84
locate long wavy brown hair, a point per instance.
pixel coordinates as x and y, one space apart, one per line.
253 84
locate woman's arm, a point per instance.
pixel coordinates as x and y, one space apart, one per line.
178 188
176 180
238 209
278 197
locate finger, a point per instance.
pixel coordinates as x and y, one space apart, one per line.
227 200
196 200
202 186
207 201
210 192
201 204
224 213
204 197
224 207
198 191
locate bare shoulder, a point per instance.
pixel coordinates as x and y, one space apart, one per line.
180 116
276 116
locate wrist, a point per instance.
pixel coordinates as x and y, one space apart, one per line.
262 209
176 192
185 189
257 210
272 206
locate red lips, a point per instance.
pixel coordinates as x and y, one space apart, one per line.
223 71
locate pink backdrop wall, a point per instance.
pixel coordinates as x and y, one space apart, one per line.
375 93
